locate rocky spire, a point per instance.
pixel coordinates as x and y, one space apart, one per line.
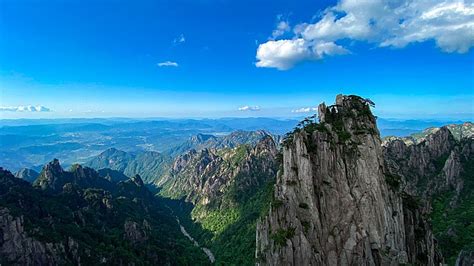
50 176
332 203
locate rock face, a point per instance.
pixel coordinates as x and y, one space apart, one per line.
15 243
439 169
229 188
465 258
433 165
332 203
53 177
202 177
17 246
136 233
77 217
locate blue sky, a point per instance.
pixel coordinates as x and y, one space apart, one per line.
211 58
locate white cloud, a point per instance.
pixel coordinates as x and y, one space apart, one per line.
180 39
282 28
305 110
168 64
385 23
284 54
27 108
249 108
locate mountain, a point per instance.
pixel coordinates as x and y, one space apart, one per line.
459 131
439 168
228 188
152 166
234 139
149 165
113 176
333 203
77 217
53 178
27 174
32 142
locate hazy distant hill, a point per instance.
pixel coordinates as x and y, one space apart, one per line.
27 174
150 165
202 141
27 143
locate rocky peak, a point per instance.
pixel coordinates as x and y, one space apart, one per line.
332 204
437 156
53 177
266 145
350 114
111 151
202 177
50 176
54 167
201 138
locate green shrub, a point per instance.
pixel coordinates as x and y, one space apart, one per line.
343 135
306 225
393 181
411 202
303 205
281 235
276 203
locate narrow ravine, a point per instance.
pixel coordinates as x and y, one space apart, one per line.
206 251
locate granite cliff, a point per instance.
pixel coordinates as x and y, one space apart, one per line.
334 203
439 169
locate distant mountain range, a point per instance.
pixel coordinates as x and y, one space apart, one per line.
30 143
246 197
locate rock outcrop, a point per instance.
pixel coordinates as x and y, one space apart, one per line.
202 177
16 245
53 177
439 169
333 202
229 188
465 258
433 165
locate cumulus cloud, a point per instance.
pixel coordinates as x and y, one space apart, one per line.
27 108
385 23
179 40
249 108
168 64
284 54
305 110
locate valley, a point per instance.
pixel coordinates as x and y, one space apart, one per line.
219 193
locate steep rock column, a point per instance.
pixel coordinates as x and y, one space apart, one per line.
332 204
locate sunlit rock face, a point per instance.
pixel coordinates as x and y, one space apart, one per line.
332 202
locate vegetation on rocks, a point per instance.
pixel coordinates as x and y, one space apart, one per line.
116 224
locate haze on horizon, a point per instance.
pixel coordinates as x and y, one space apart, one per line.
199 59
